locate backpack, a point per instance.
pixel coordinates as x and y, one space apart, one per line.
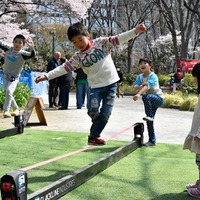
179 76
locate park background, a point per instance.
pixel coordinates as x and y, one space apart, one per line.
172 33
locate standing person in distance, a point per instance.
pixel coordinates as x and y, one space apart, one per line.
94 56
147 86
120 83
82 88
177 79
192 141
64 83
14 60
53 88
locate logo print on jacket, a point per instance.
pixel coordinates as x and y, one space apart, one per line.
94 57
12 58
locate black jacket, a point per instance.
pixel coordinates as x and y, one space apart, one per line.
65 80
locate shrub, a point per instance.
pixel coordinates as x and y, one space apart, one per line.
177 99
188 86
174 99
21 95
189 103
164 79
130 78
128 89
2 97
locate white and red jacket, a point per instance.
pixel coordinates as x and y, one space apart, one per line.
95 61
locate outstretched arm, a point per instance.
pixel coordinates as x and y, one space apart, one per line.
58 71
4 46
126 36
40 78
30 44
141 28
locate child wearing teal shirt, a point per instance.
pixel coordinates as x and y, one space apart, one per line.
147 86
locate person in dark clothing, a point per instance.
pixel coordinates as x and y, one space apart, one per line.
81 88
177 79
171 83
64 83
120 83
53 88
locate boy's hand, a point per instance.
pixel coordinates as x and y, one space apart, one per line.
141 28
40 78
30 42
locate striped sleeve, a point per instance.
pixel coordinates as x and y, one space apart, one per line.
114 40
4 46
69 67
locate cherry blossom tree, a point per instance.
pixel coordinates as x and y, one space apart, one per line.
12 10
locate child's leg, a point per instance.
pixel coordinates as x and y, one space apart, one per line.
151 104
194 189
147 105
100 119
151 132
9 88
79 95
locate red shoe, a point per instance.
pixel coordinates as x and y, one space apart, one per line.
96 141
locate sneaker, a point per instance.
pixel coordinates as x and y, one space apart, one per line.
6 114
149 144
194 192
96 141
197 184
52 106
148 119
15 112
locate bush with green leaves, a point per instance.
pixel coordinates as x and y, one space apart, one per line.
189 103
164 79
21 95
180 100
171 100
130 78
188 85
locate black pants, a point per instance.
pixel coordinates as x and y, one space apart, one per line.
53 93
64 96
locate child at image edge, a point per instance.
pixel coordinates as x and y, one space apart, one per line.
94 57
147 85
192 141
14 61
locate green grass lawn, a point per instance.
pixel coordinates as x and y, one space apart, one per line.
148 173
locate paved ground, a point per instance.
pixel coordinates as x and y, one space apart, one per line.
171 125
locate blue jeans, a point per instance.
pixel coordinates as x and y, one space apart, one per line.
151 104
104 96
81 92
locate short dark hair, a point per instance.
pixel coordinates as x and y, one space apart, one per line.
77 29
20 36
196 70
145 60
